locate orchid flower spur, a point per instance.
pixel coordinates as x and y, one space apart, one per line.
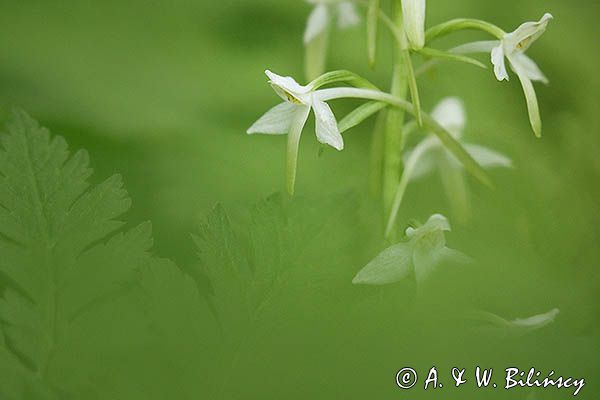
317 30
430 155
413 15
513 47
422 253
290 117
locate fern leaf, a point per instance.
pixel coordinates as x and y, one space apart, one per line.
60 253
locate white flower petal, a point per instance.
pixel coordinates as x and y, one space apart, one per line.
391 265
450 114
529 67
487 157
296 126
499 64
426 260
476 47
523 37
318 20
413 12
437 222
426 163
326 126
347 15
530 96
276 121
537 321
288 89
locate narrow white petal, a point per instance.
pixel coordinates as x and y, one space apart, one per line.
530 67
487 157
476 47
532 103
391 265
517 326
347 15
318 21
537 321
413 12
298 121
276 121
326 126
450 114
499 64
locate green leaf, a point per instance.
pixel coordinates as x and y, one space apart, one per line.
61 257
372 28
360 114
17 382
444 55
341 76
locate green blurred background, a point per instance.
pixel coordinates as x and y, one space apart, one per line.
163 91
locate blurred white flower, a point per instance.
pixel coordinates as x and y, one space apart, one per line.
431 155
413 14
450 114
422 253
322 13
518 326
513 47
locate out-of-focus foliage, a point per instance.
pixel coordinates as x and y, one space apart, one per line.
163 92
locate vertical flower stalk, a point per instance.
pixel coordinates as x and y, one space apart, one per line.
394 140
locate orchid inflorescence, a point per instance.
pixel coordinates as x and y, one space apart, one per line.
441 149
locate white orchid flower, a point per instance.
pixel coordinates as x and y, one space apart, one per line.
450 114
290 117
422 253
413 14
316 34
321 15
431 155
513 47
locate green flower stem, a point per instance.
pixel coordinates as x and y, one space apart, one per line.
462 24
393 139
428 122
